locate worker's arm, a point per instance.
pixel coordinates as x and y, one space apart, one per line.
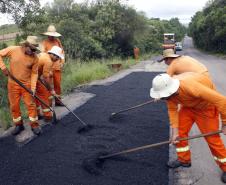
47 68
34 75
4 53
173 118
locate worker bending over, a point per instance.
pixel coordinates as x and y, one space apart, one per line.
201 104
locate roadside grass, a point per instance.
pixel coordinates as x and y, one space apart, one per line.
78 73
9 28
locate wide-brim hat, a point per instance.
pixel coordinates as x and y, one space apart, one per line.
168 53
32 42
51 31
57 51
163 86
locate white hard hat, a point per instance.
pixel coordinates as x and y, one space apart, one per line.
164 86
57 51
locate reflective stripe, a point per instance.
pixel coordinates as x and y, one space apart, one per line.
17 119
45 110
33 119
39 107
50 97
220 160
183 149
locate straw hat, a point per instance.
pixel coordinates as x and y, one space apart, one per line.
168 53
57 51
164 86
32 42
51 31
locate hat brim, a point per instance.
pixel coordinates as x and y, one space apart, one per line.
32 46
167 91
170 56
53 34
60 56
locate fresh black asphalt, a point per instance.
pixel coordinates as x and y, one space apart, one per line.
56 157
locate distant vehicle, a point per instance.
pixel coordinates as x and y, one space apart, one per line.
178 46
169 41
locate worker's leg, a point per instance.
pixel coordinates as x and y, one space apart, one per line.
32 111
57 85
186 120
44 94
209 122
14 94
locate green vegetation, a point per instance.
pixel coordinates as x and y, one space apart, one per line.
208 27
8 28
94 35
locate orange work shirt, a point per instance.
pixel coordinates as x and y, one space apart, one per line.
185 64
44 65
47 45
197 93
22 66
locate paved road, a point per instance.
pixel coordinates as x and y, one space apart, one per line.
55 158
204 170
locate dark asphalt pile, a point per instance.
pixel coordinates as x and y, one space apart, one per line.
56 157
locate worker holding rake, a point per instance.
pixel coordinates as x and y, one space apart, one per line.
200 103
46 61
47 44
24 67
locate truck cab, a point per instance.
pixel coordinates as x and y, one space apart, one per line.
169 41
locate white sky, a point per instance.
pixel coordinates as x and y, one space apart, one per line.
163 9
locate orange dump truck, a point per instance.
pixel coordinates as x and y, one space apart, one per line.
169 41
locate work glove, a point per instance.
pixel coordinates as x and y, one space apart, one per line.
174 136
53 92
5 72
224 129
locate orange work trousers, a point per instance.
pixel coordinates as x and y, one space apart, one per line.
15 93
207 121
57 83
45 95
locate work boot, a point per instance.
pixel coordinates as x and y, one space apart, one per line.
18 129
36 130
40 117
177 163
223 177
60 104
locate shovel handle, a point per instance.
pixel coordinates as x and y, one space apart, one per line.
158 144
134 107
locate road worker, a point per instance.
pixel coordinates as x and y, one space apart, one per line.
24 67
178 64
47 44
200 103
136 52
44 84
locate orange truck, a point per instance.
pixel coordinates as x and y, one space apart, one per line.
169 41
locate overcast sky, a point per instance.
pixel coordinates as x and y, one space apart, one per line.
163 9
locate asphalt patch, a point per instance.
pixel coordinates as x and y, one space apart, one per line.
57 156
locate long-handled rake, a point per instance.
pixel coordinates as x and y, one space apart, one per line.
39 99
93 164
86 127
113 114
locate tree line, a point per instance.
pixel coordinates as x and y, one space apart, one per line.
208 27
96 29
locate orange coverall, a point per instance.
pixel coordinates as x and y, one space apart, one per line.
44 68
25 69
47 45
185 64
200 103
136 52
